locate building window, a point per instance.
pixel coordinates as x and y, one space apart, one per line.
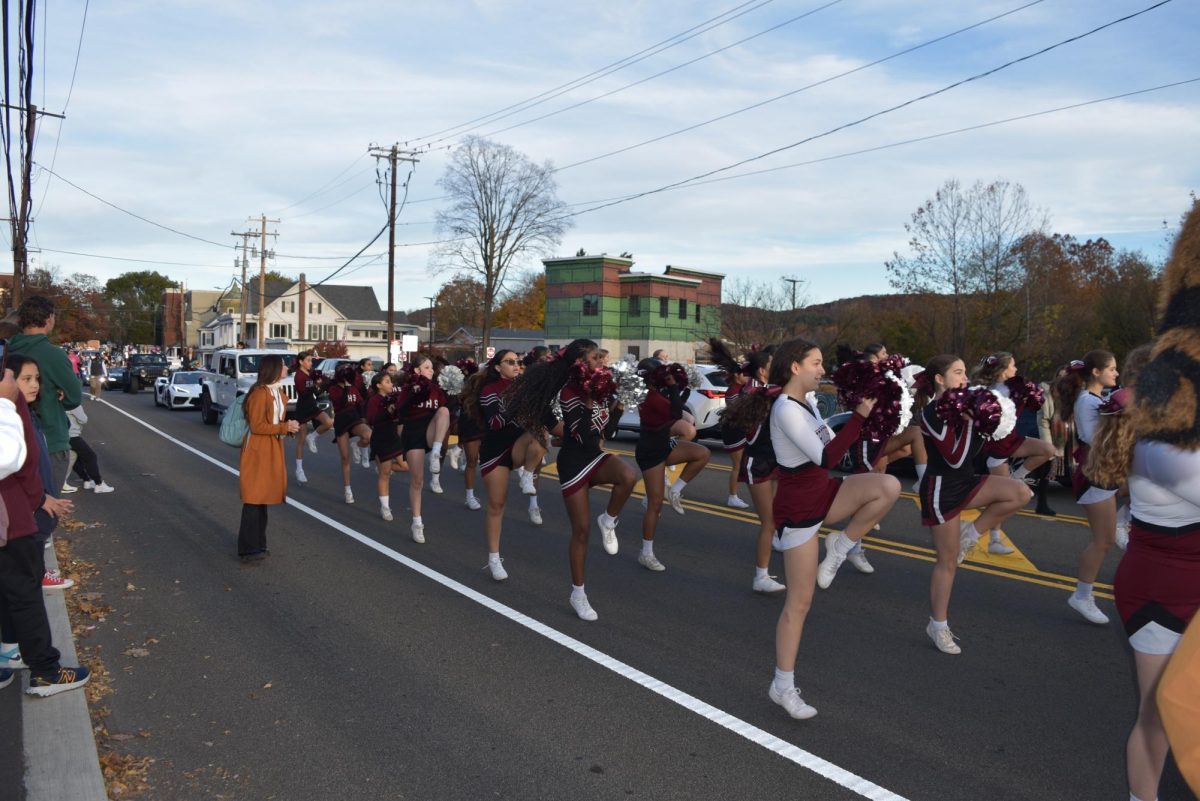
682 308
310 307
664 307
330 331
591 305
635 306
634 351
697 312
281 330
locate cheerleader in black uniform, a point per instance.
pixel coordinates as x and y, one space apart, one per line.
307 388
951 485
504 444
808 496
386 448
581 462
348 420
1078 395
993 371
739 376
656 449
423 414
470 435
538 354
869 455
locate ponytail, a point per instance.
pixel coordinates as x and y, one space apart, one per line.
1111 456
1068 387
987 373
924 385
528 399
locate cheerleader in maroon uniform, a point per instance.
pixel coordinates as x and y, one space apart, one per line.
470 435
870 455
504 443
538 354
572 377
998 372
739 375
348 421
1078 395
808 496
308 387
386 448
950 485
656 449
422 411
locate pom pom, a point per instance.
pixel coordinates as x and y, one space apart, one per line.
597 384
631 389
994 416
467 365
417 385
556 408
695 379
951 407
451 380
859 380
1025 394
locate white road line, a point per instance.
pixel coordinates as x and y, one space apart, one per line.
799 756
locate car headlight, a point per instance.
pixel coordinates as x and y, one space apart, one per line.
142 373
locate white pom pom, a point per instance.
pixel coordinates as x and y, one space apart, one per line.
695 377
1008 417
450 379
910 373
906 402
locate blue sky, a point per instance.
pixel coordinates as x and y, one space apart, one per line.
200 114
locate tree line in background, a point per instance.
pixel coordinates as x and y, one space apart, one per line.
127 308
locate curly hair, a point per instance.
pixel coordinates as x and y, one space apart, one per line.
530 396
1067 387
987 373
1111 454
35 311
475 383
747 410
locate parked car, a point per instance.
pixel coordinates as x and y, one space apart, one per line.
705 403
180 391
141 370
235 371
116 378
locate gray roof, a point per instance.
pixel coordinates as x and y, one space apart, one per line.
354 302
504 333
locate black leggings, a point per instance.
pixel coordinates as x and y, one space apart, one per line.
87 466
252 536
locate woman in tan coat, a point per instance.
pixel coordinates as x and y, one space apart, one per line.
263 476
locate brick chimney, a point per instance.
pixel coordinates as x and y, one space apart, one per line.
302 333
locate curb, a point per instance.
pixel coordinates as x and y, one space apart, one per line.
61 760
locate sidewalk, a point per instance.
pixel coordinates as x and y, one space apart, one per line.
49 741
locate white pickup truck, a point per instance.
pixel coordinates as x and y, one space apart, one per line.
233 372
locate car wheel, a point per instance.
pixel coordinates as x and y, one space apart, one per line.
207 413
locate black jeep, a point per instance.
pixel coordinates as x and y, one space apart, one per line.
142 368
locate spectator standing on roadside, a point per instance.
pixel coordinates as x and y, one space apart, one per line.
36 318
263 477
83 460
76 363
97 374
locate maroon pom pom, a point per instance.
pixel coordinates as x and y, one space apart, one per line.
1025 395
984 408
468 365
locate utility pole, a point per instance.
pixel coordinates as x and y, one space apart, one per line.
793 282
244 263
431 300
393 154
20 223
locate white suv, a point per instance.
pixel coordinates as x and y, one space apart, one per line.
233 372
705 403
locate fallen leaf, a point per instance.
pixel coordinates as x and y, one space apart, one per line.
267 686
137 652
130 588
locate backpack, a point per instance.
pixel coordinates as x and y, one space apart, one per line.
234 427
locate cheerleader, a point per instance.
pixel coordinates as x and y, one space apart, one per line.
504 444
950 485
869 455
386 448
470 435
996 371
739 376
421 408
307 387
1079 400
656 449
581 462
348 421
808 496
541 354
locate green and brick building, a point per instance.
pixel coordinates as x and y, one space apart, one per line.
601 298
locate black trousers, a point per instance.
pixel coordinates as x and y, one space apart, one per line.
23 617
87 465
252 536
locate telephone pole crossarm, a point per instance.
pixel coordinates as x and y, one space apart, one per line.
393 155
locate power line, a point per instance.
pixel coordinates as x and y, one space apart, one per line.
328 185
67 102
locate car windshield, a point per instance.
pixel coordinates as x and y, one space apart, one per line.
187 378
249 363
148 359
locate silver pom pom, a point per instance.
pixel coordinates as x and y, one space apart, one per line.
450 379
631 389
556 409
695 377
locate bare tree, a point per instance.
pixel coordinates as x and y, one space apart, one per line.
756 312
1000 218
502 209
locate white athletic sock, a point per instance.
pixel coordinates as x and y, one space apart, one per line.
470 493
856 548
678 486
533 502
995 535
647 547
971 533
784 682
760 572
299 464
577 591
609 521
384 501
920 472
1083 590
436 449
938 625
417 520
1020 473
494 558
843 544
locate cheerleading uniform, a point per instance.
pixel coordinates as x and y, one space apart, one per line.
1157 585
1087 420
381 417
657 413
865 453
805 450
760 464
733 439
468 429
347 408
950 481
415 412
500 433
306 397
583 424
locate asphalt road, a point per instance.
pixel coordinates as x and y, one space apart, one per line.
354 663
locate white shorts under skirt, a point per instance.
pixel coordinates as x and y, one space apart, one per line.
1154 638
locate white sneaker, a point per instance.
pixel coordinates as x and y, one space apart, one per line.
473 503
676 499
102 488
832 561
89 485
1124 522
418 533
579 603
943 639
858 558
435 463
455 457
366 457
535 516
792 702
349 495
736 503
303 479
966 540
355 454
609 535
767 585
311 441
67 489
498 571
1087 607
526 479
650 562
1000 548
435 484
385 513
